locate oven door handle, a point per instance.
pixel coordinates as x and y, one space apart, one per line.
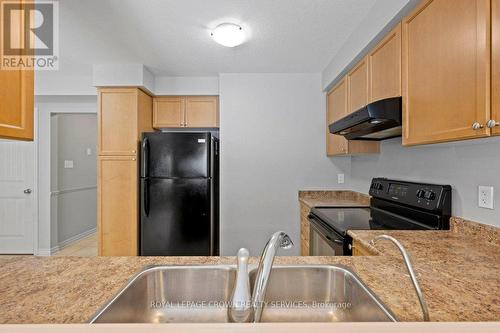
338 241
318 225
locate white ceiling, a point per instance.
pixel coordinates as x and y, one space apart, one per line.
171 37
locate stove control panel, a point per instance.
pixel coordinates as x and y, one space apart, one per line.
427 196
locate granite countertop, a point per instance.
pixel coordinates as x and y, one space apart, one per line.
458 272
325 198
460 285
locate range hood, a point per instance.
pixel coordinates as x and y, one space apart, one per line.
376 121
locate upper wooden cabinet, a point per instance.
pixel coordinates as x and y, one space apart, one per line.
185 111
336 109
124 113
495 67
16 104
337 145
446 71
357 87
168 111
384 67
202 111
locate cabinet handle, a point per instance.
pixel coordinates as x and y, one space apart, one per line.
492 123
476 126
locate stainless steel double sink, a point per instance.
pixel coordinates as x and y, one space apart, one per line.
200 294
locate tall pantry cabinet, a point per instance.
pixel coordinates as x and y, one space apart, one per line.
124 113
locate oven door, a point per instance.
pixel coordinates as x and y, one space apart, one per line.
323 242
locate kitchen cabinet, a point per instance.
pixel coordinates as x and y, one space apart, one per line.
384 67
495 67
446 71
168 111
337 104
186 111
357 87
123 114
202 111
359 250
304 230
117 205
16 104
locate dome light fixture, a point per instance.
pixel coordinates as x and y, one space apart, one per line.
228 34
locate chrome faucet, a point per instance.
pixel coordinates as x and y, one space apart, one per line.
409 266
240 310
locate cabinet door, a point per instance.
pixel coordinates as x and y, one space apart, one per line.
16 104
202 111
336 109
117 129
446 57
357 90
384 67
117 202
495 66
169 111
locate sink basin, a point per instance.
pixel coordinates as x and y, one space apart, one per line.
199 294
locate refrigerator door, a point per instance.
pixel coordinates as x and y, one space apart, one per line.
175 217
175 155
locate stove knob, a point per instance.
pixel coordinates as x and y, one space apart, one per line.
429 195
420 194
379 186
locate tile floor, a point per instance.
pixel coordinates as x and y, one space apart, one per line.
85 247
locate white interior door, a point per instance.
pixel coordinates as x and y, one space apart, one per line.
16 197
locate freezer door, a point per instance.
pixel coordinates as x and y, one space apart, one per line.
175 155
175 217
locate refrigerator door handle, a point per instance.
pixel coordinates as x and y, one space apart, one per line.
145 198
145 158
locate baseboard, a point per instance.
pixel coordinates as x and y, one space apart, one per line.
53 250
75 238
47 252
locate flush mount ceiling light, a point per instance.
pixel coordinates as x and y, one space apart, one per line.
228 34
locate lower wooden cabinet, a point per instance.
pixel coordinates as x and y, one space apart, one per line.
186 111
117 206
359 250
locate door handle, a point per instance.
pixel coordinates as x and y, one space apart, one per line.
337 241
145 196
27 191
145 158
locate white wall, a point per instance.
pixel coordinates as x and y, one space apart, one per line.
272 145
464 165
74 189
47 236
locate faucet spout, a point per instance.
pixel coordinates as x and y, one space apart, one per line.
409 267
278 240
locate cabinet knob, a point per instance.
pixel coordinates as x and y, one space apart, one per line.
133 159
133 151
476 126
492 123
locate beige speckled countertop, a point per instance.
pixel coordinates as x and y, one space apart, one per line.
459 274
325 198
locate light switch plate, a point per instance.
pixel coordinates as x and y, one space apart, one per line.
485 197
68 164
340 178
89 151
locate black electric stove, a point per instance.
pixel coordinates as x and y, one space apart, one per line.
394 205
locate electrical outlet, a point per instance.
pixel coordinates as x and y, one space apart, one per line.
89 151
485 195
340 178
68 164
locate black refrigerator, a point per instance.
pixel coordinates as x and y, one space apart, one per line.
179 196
